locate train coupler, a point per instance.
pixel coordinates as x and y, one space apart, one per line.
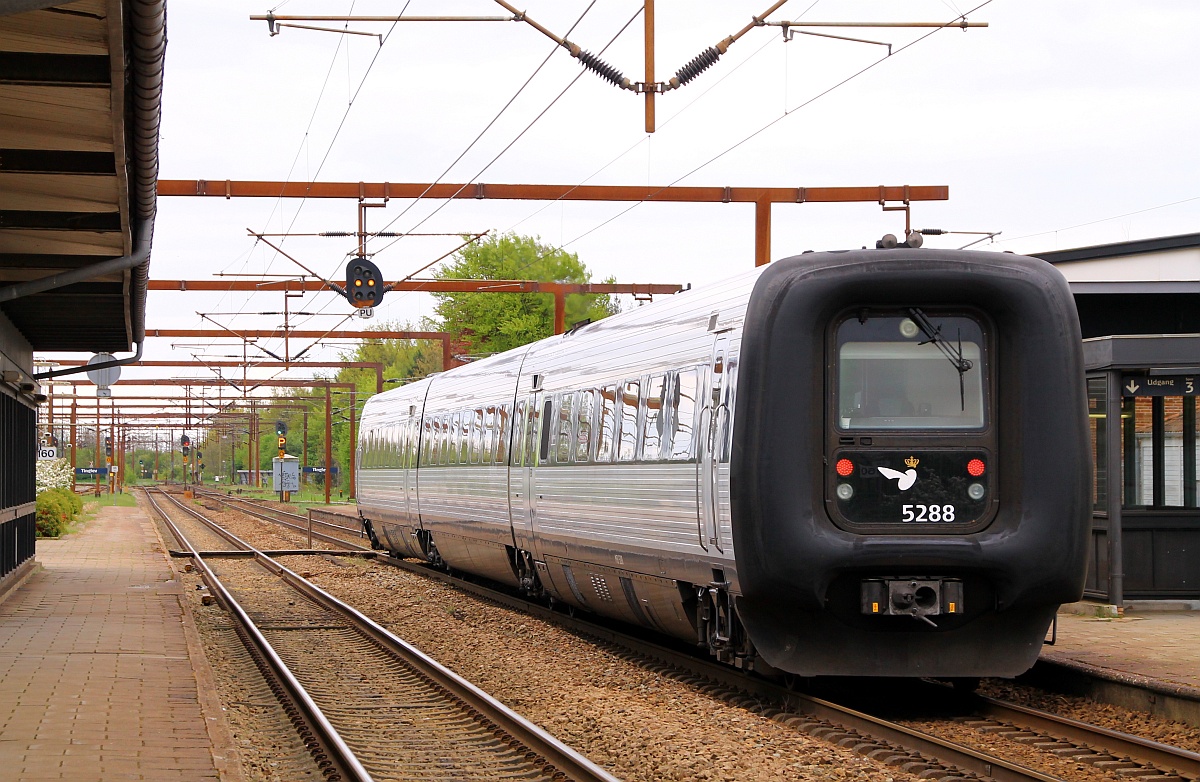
920 598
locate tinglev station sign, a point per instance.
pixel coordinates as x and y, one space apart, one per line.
1164 385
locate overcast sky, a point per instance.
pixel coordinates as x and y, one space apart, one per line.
1061 124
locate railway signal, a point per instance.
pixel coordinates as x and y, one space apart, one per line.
282 443
364 283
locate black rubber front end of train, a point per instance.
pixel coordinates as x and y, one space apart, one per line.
1030 558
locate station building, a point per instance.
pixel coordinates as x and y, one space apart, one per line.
1139 310
80 100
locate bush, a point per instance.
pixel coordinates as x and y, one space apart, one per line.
54 513
73 500
56 509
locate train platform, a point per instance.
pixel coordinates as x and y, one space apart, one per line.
103 675
1147 657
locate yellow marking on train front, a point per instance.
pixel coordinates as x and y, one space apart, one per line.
953 608
875 608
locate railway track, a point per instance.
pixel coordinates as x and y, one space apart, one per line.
325 526
893 741
366 704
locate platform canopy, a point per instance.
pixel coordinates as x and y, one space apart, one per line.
80 99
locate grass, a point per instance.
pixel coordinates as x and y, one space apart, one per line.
92 502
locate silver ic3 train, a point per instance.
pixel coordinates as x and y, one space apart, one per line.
865 463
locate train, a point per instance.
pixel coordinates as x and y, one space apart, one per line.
859 463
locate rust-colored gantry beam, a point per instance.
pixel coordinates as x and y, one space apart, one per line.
761 197
441 336
372 365
560 290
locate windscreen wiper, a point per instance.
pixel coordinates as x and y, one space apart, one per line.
953 355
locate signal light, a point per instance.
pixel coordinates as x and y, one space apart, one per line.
975 467
364 283
185 440
186 451
280 428
845 468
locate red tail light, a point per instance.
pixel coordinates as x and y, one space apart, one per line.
844 468
975 467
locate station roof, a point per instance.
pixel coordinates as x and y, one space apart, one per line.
1146 286
80 100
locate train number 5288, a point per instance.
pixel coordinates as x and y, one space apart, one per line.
933 513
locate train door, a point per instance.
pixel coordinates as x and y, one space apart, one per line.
714 422
524 454
410 439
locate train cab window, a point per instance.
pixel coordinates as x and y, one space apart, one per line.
607 425
564 451
910 370
652 428
683 414
627 449
583 432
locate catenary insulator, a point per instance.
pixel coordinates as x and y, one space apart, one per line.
699 64
602 69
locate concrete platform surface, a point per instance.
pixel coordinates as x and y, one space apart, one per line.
96 673
1161 646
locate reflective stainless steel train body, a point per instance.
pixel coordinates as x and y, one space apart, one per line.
600 456
616 467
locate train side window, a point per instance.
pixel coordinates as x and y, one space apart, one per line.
503 431
475 436
518 435
547 421
433 431
414 442
531 429
627 450
728 390
683 409
564 452
608 424
464 433
655 423
487 434
583 435
429 456
444 438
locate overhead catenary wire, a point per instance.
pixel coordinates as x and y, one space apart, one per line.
518 137
787 113
486 128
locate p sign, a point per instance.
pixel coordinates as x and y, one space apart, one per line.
47 452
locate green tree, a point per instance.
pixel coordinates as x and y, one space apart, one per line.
495 322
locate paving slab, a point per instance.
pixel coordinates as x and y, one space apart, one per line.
1161 646
97 680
